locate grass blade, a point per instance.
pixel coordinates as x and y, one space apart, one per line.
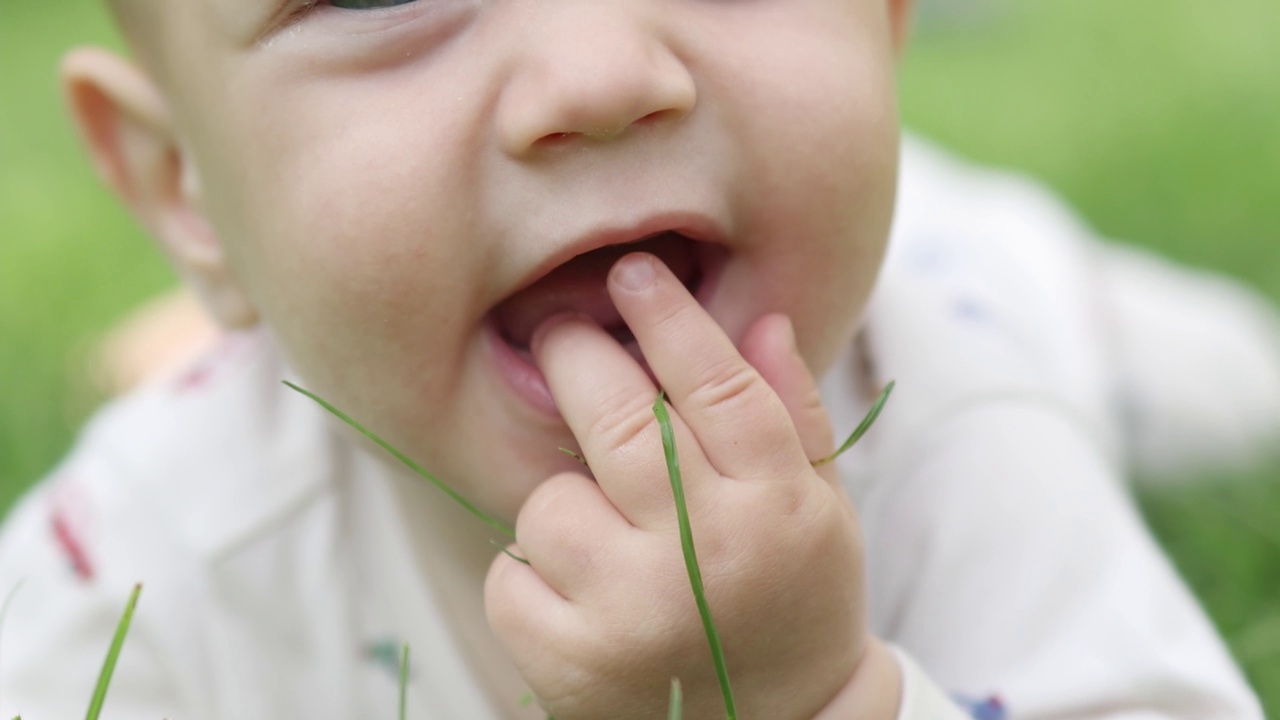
690 556
675 706
404 681
503 549
404 460
113 654
575 456
862 428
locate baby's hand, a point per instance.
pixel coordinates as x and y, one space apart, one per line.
603 617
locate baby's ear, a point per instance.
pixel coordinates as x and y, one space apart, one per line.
126 126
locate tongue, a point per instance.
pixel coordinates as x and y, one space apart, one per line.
579 286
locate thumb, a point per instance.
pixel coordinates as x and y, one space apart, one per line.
770 346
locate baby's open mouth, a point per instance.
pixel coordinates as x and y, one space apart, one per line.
579 285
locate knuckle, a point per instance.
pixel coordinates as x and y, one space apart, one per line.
549 520
816 420
791 497
727 384
623 418
814 528
765 515
547 496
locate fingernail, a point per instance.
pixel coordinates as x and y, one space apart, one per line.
634 272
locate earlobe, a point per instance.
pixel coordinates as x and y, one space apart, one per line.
126 126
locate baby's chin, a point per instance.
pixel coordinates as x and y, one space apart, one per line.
497 451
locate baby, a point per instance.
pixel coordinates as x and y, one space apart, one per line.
489 230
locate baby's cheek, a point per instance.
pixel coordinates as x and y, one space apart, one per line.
347 278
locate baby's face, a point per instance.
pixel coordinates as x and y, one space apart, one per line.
405 192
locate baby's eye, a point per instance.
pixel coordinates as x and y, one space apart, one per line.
366 4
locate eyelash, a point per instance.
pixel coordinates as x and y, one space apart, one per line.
375 6
375 14
309 6
293 15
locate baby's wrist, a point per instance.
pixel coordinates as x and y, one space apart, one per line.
874 692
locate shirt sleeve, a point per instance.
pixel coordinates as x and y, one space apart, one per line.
1011 565
922 699
1005 556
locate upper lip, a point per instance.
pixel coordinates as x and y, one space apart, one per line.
695 226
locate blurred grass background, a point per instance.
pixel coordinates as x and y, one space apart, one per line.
1158 119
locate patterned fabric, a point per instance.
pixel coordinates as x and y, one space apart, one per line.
991 708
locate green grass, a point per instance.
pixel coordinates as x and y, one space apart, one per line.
1156 118
113 655
691 556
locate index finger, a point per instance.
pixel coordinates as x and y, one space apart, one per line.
739 421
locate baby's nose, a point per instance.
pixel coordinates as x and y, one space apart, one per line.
593 70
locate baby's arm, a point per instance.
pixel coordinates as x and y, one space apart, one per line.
1020 569
1003 551
1197 365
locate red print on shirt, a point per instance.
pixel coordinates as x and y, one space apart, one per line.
67 520
204 369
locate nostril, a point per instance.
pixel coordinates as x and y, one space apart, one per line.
556 139
553 139
652 117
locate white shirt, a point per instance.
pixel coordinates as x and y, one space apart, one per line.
1007 565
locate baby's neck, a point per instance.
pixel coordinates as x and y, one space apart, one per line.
453 552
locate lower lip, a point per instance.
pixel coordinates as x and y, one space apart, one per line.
527 381
521 375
